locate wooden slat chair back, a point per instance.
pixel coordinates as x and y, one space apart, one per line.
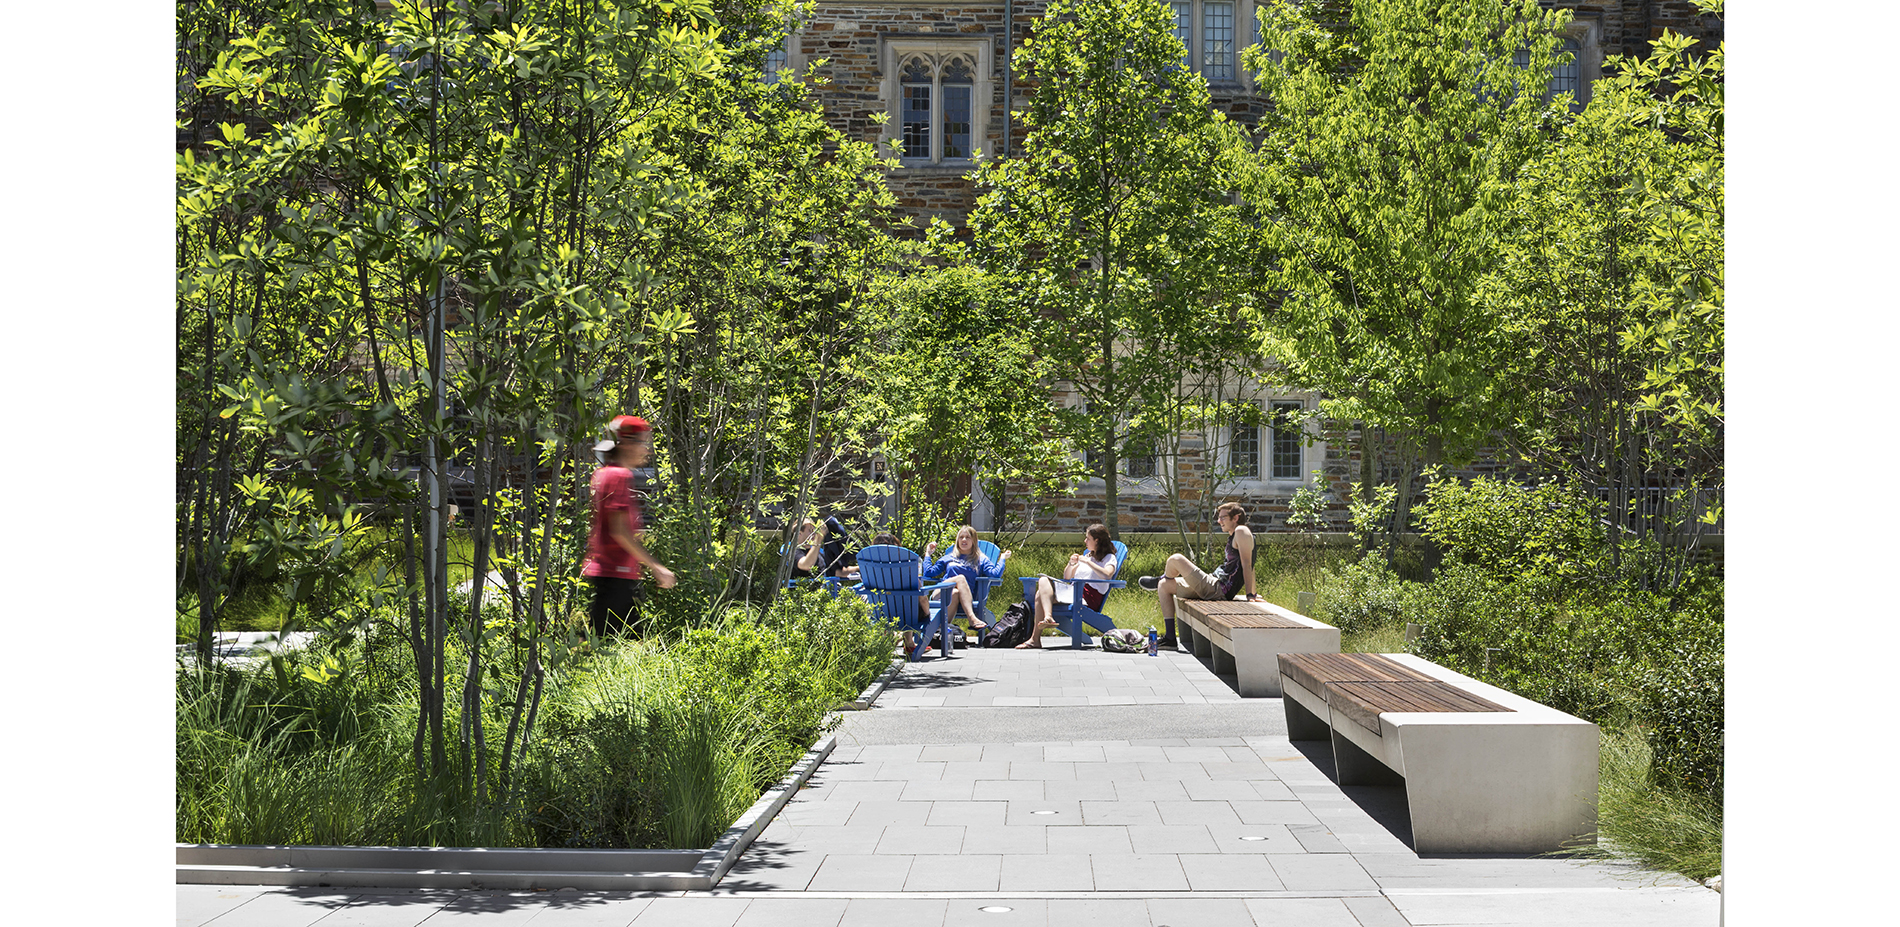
889 580
1075 617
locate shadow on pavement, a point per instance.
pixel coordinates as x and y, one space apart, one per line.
936 680
1385 804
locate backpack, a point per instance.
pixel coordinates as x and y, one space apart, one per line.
1010 628
1124 640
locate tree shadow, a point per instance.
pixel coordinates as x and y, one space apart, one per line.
944 679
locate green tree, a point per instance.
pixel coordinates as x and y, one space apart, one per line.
1383 181
1111 218
443 242
1612 284
951 387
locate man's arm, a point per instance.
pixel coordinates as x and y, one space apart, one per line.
809 562
621 526
1243 544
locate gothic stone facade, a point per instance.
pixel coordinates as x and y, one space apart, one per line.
935 72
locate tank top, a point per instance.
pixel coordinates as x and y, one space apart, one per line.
1230 573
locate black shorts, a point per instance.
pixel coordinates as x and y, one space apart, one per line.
614 610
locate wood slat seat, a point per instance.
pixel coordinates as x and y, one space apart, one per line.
1362 701
1316 671
1223 617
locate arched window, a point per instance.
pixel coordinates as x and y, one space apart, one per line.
939 94
957 89
918 85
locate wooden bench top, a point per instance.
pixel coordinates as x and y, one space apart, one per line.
1363 701
1316 671
1225 614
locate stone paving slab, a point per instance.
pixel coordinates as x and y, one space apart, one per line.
1202 906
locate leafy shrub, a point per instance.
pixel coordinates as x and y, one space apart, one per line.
638 744
1683 704
1602 656
1362 595
1509 530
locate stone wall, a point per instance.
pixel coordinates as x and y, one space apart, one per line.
851 36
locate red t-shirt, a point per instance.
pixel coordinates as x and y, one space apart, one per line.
612 494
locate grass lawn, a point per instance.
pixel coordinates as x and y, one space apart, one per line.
1281 570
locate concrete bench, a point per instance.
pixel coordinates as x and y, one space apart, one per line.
1245 638
1485 771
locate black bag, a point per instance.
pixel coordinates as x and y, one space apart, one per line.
1011 627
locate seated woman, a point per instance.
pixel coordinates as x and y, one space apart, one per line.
962 563
823 554
1097 561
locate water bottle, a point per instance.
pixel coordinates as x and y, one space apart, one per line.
1154 641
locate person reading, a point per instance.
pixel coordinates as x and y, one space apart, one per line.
1095 562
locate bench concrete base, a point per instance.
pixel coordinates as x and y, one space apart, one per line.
1522 781
1253 654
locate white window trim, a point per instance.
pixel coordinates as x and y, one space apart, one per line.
891 92
1312 450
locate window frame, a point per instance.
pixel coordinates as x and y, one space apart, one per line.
1233 447
1275 407
895 54
1246 31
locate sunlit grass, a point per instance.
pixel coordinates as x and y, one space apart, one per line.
1660 828
1282 570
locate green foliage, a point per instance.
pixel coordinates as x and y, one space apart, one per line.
1610 278
1306 511
957 388
1660 828
1111 223
1509 529
1361 595
643 744
1384 171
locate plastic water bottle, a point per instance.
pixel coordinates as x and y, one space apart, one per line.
1154 641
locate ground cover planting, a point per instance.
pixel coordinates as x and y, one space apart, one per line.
653 743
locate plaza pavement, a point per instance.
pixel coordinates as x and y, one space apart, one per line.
1007 788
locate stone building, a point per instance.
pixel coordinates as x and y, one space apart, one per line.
937 73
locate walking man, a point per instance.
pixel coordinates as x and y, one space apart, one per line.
616 558
1182 579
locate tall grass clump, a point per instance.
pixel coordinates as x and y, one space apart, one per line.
655 743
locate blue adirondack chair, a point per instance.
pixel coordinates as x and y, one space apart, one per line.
890 580
1072 616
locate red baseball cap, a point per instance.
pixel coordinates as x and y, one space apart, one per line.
628 426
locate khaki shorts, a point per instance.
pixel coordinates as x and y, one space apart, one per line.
1196 584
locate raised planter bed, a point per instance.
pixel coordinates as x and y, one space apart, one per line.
508 867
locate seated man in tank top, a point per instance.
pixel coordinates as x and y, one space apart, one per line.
1182 579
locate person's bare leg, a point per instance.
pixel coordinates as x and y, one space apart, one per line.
1045 603
1165 592
963 599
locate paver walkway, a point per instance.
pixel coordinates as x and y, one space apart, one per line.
1059 788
